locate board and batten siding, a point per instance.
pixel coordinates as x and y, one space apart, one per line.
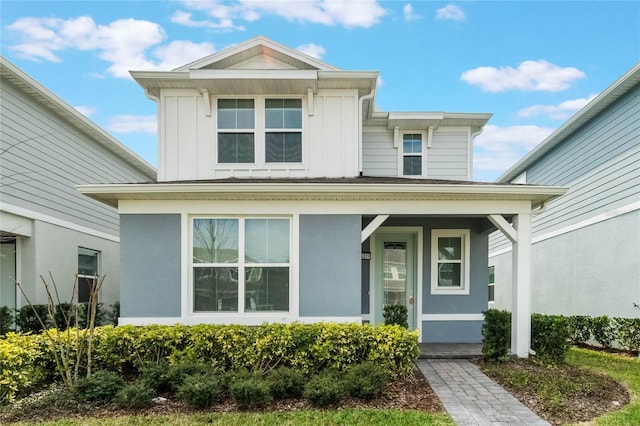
43 158
188 139
448 158
600 162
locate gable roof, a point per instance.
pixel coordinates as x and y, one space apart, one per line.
257 47
611 94
31 87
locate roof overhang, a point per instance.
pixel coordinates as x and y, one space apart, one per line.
113 193
424 120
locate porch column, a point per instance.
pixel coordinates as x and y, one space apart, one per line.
521 289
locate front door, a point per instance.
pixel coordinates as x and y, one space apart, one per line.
395 275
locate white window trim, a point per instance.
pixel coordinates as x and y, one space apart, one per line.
241 313
465 234
259 132
401 155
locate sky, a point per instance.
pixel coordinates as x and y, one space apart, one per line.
532 64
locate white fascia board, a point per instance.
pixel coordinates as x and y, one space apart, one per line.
416 116
208 74
346 75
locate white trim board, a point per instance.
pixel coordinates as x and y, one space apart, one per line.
30 214
241 320
452 317
579 225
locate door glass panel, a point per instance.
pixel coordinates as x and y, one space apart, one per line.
395 273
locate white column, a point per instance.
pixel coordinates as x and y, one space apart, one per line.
521 290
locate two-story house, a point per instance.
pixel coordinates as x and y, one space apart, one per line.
283 195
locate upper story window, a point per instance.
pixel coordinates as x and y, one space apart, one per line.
260 130
411 154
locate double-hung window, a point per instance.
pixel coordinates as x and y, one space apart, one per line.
492 283
87 273
450 261
236 131
241 264
263 130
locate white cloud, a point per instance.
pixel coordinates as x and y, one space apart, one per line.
185 18
451 12
85 109
312 49
409 15
362 13
561 111
122 43
529 76
133 124
498 148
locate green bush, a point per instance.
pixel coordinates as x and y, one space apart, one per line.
27 318
549 338
102 386
250 392
285 382
603 331
366 380
325 389
154 375
579 329
496 335
396 314
135 395
628 332
202 390
19 368
177 373
7 319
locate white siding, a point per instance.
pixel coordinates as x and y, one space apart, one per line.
379 157
448 157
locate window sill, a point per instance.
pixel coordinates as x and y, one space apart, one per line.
449 291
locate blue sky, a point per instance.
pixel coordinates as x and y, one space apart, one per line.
531 64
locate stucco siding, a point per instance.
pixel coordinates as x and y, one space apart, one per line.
452 331
330 268
44 157
150 265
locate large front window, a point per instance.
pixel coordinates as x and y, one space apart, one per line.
450 255
260 131
241 264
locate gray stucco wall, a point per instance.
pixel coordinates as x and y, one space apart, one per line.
150 265
452 331
330 265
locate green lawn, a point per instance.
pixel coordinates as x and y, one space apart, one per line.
308 417
625 370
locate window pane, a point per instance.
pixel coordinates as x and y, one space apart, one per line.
215 289
215 241
492 293
449 275
492 274
412 143
395 273
235 148
87 262
267 289
449 248
235 114
283 147
267 241
85 284
283 113
412 166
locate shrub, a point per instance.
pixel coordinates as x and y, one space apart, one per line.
154 375
549 337
325 389
628 331
285 382
178 373
366 380
19 370
202 390
603 331
135 395
496 335
396 314
27 318
7 318
250 392
102 386
579 329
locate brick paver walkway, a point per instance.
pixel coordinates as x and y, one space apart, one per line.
471 398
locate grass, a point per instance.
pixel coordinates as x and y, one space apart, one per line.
306 417
625 370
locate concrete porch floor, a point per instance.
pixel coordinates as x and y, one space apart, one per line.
450 350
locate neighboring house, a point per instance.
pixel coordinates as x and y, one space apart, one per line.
283 195
46 226
586 244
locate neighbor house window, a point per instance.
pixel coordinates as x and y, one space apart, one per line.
241 264
492 283
87 273
259 131
236 131
450 254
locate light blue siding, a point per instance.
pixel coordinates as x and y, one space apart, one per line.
330 283
150 265
452 331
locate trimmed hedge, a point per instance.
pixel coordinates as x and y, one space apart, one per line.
309 348
550 337
496 335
